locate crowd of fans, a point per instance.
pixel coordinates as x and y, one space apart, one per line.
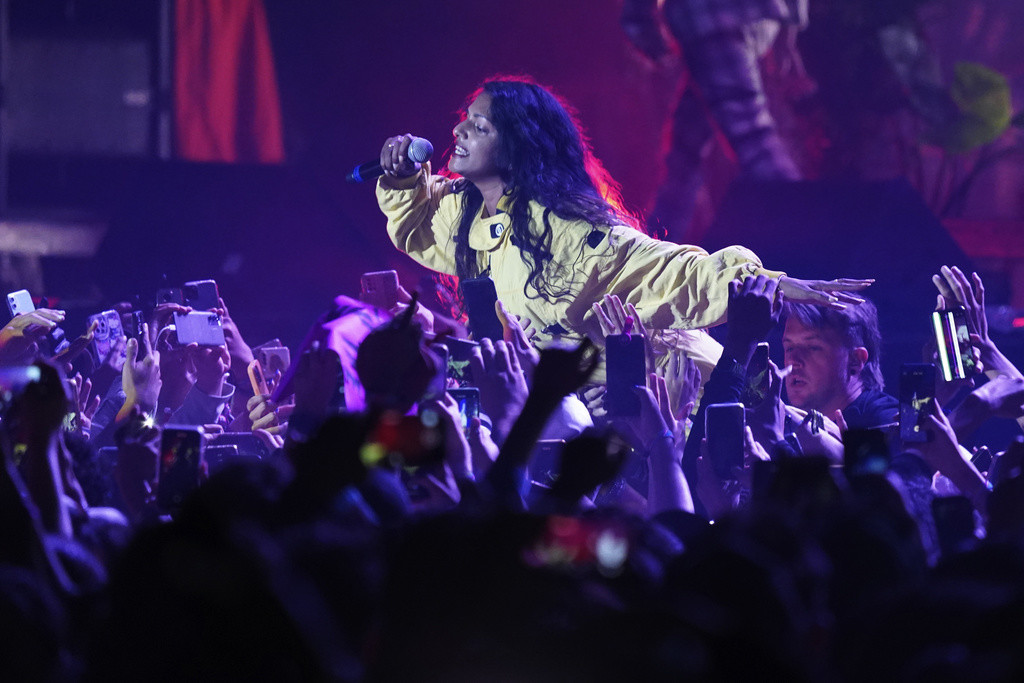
357 520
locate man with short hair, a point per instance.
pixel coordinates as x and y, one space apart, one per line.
835 359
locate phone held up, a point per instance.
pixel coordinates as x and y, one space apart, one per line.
626 363
724 425
480 297
380 289
917 391
953 339
180 465
199 327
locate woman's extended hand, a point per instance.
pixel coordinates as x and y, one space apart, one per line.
830 293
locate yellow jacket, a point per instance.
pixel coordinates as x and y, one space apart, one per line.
672 286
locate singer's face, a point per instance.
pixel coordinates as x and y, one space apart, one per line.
476 144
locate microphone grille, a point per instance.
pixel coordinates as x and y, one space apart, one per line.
420 150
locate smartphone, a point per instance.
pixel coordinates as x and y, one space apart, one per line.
199 327
379 289
468 399
865 451
274 359
405 441
169 295
545 461
180 463
20 302
917 391
247 444
480 297
724 425
755 389
220 456
459 352
108 332
134 330
257 379
953 339
201 295
954 523
626 365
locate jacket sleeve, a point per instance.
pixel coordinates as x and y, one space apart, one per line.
671 285
423 216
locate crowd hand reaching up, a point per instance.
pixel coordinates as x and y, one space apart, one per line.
1001 397
829 293
137 455
686 375
614 318
83 403
482 448
655 420
755 304
394 157
520 339
161 317
458 456
767 421
722 496
421 314
560 372
140 379
240 353
76 347
263 414
955 288
943 452
20 337
501 381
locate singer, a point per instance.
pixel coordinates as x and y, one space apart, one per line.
526 203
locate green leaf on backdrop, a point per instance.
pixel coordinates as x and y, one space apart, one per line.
983 97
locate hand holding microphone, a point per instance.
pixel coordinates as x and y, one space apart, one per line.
400 157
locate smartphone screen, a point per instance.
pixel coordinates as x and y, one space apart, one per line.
917 391
468 399
480 297
756 388
626 369
724 425
180 460
380 289
865 451
459 352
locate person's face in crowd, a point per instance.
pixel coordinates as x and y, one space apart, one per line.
476 144
821 374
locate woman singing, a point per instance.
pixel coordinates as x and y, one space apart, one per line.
528 205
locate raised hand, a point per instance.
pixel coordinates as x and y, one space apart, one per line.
562 371
394 157
754 307
501 380
140 379
20 336
830 293
519 338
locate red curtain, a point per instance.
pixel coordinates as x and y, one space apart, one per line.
226 105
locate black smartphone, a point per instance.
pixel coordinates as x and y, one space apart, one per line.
953 339
917 391
169 295
755 390
480 297
180 463
468 399
199 327
132 324
405 441
865 451
626 366
724 424
246 444
201 295
954 523
380 289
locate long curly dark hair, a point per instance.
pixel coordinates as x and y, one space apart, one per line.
545 158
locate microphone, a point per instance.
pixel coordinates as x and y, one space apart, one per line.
420 150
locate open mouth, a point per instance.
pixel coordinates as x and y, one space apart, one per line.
460 151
